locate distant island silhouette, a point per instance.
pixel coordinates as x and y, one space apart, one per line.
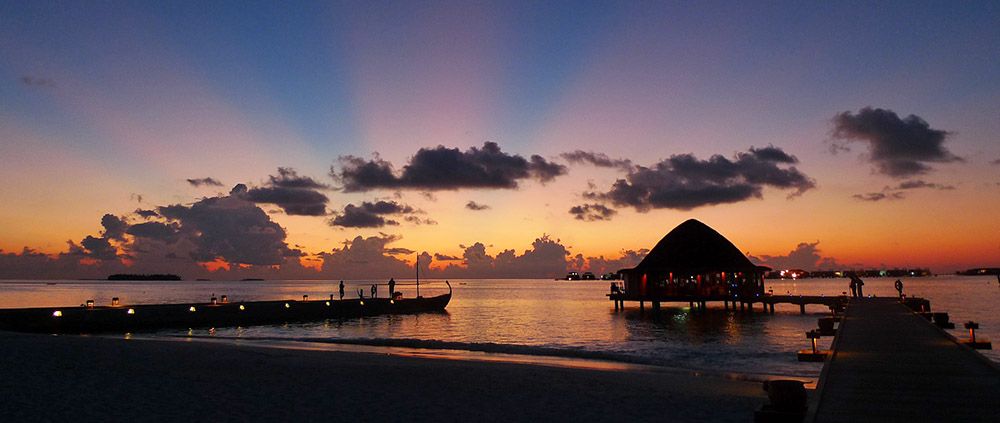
141 277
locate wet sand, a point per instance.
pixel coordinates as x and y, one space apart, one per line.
45 377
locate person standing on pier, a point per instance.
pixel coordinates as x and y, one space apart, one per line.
854 287
374 291
899 287
392 288
860 283
342 290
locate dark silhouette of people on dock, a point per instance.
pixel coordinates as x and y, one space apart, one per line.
342 290
361 293
899 287
856 284
374 291
392 288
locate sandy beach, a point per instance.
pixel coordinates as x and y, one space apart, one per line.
45 377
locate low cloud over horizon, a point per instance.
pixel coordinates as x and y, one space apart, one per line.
441 168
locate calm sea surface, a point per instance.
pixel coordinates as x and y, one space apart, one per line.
548 318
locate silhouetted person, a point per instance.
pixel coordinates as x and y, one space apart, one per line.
899 287
861 284
342 290
374 291
392 288
854 287
361 293
614 288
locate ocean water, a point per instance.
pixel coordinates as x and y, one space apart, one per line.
546 318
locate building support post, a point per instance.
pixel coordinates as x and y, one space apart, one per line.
642 305
802 308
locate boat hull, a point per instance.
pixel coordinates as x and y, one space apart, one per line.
203 315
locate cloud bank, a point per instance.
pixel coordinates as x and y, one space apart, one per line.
897 147
442 168
684 182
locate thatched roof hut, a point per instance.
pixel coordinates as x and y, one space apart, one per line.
693 261
693 248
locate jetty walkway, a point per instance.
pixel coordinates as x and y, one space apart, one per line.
891 365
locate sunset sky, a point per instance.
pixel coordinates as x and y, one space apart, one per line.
363 133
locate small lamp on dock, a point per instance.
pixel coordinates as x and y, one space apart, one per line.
225 299
90 303
815 354
305 298
115 302
972 342
215 301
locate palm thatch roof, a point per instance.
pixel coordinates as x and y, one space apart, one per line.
692 248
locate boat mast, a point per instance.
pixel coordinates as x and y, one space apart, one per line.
417 265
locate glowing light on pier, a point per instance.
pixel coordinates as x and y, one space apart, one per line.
192 309
287 305
131 311
242 307
57 313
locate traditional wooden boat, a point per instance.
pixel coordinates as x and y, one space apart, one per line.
90 318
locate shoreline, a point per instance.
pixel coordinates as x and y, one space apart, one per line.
48 377
503 353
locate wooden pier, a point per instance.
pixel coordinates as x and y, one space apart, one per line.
889 364
765 302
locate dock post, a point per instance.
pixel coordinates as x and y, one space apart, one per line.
743 306
704 304
802 308
750 307
616 304
772 308
725 304
642 305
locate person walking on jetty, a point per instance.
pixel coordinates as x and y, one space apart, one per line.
854 287
899 287
342 290
860 283
392 288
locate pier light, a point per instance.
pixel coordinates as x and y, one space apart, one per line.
392 301
131 311
57 313
242 307
305 298
192 309
362 302
225 299
115 302
90 303
327 303
215 301
287 305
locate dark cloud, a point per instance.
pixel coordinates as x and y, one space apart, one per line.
805 256
472 205
995 162
443 257
596 159
442 168
592 212
146 214
155 230
294 194
230 228
114 227
199 182
417 220
897 147
32 81
96 248
294 201
289 178
879 196
917 184
684 182
373 215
